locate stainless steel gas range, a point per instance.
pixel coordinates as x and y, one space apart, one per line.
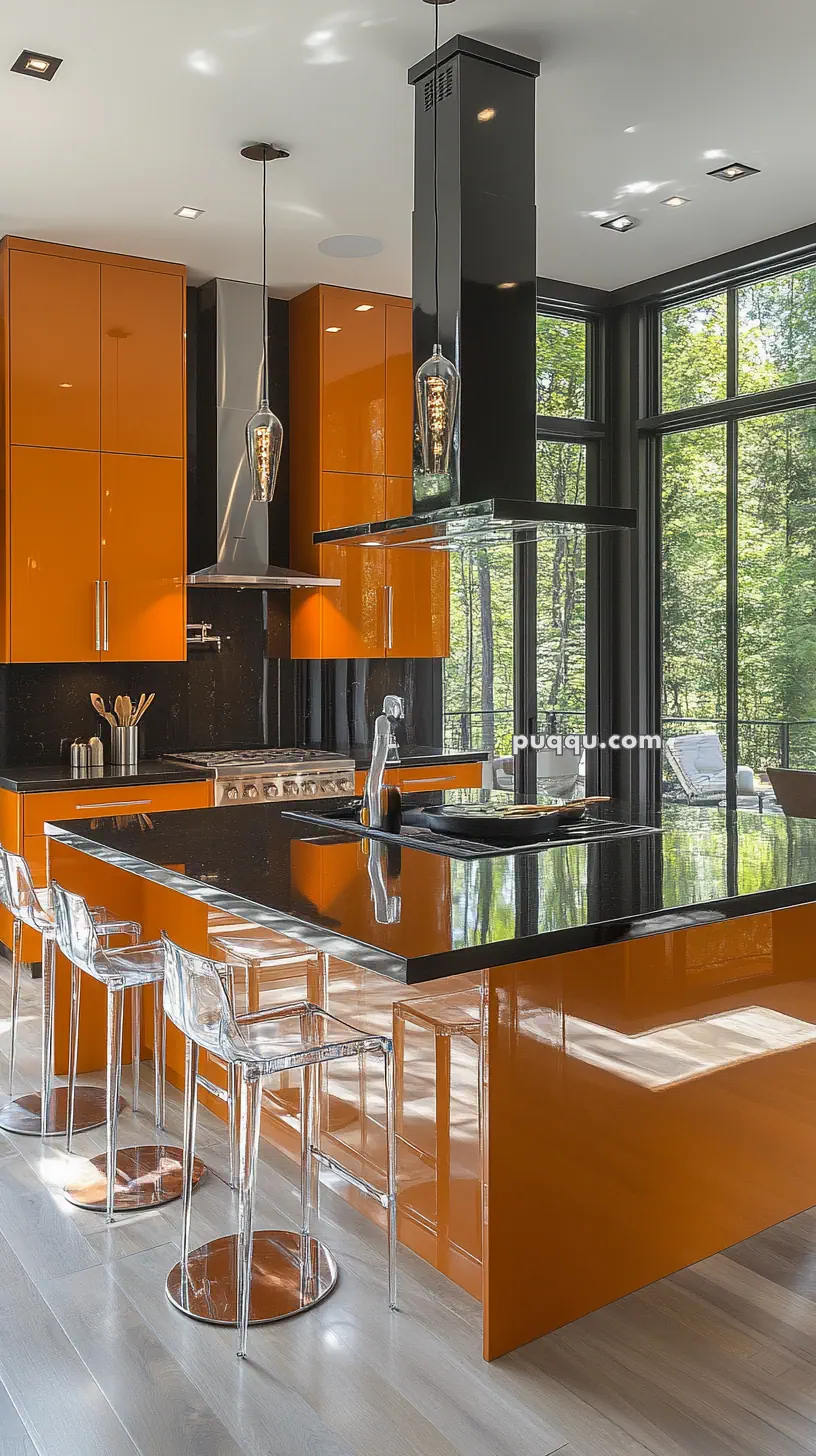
254 775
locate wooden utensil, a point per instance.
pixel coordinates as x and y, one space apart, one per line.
142 709
98 702
142 703
569 805
119 709
127 704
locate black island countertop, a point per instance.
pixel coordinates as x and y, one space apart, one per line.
451 916
51 777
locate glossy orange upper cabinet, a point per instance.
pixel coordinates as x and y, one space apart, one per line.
143 559
399 389
353 338
53 344
55 576
354 614
142 362
418 588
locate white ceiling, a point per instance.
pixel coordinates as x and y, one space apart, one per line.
153 102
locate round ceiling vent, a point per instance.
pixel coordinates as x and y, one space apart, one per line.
349 245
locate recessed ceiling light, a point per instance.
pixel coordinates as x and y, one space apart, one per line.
191 212
349 245
734 172
364 308
34 63
486 115
334 330
676 201
621 224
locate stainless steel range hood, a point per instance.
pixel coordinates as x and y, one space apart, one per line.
484 102
229 532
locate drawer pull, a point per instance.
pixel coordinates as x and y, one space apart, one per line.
119 804
423 783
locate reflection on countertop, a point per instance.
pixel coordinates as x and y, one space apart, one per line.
461 916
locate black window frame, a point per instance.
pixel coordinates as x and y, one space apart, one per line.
559 300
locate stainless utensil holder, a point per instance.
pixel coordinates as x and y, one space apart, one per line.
125 748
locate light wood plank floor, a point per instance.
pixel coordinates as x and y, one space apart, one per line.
94 1361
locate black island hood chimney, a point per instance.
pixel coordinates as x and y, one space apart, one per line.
485 102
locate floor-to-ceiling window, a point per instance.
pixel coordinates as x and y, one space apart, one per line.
736 468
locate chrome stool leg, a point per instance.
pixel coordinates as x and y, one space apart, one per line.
16 958
391 1143
115 1011
159 1056
136 1038
73 1050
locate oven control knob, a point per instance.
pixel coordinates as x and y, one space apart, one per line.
330 787
346 787
291 786
309 786
271 791
250 792
231 794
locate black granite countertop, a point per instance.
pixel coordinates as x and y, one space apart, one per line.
421 755
48 778
450 916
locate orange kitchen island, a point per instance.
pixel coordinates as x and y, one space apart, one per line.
606 1053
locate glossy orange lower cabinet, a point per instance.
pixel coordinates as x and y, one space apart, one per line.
53 342
42 809
419 582
143 365
434 777
54 555
143 555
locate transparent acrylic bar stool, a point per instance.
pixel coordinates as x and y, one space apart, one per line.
32 907
255 1278
122 1179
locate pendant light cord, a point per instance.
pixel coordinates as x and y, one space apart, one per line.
436 169
265 305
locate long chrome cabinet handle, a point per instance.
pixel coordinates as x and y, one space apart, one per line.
412 783
389 617
117 804
98 632
105 643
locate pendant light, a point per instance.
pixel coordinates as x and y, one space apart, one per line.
437 380
264 433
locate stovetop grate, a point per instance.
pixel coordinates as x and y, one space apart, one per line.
415 836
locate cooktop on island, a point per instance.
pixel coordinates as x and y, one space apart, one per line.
416 833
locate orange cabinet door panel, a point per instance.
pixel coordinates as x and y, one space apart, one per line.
418 582
353 382
399 390
142 362
54 551
143 559
353 614
54 351
102 803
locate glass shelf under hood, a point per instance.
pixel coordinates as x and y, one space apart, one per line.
482 523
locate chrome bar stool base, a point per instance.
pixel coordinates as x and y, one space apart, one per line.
282 1284
24 1114
145 1178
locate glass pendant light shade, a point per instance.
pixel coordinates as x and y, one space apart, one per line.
264 442
437 394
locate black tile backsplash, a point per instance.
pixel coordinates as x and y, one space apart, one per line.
337 701
223 699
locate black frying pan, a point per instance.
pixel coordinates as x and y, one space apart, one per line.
515 822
